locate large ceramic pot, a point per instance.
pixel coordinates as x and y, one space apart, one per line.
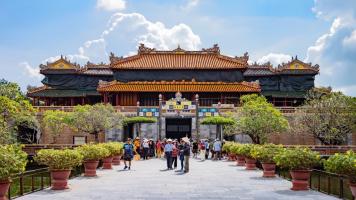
269 170
116 160
353 189
107 162
232 157
4 187
60 179
90 167
250 163
300 179
240 160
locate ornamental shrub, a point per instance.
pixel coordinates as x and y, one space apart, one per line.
12 161
297 158
93 152
114 148
344 164
265 153
244 150
64 159
139 119
227 147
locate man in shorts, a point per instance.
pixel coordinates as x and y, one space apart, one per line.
128 152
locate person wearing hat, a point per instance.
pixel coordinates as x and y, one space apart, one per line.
168 148
128 153
186 153
217 149
146 147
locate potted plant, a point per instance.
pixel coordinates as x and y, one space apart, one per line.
265 154
227 147
60 163
119 151
107 161
245 150
239 157
91 155
299 161
12 161
343 164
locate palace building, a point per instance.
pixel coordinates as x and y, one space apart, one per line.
177 86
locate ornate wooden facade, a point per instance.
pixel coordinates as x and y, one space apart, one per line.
142 77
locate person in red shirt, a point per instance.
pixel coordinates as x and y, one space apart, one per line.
175 153
158 149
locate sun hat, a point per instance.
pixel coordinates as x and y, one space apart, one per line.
185 139
169 140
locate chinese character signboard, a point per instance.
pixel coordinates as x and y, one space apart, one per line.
148 112
208 112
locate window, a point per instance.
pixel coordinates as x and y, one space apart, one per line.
79 140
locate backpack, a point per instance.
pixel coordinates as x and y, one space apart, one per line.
128 149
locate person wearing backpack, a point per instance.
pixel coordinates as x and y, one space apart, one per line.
128 153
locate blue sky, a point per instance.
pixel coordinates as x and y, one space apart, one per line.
322 32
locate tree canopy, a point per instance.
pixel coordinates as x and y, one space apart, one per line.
329 117
94 119
218 120
258 118
15 111
55 121
139 119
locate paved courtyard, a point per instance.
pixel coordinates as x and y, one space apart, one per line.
206 180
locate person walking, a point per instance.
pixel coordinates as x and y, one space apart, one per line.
202 150
146 147
158 149
195 149
151 152
137 145
186 152
207 148
175 153
128 153
168 148
181 154
217 149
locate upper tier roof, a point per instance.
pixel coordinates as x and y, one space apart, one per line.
149 58
181 86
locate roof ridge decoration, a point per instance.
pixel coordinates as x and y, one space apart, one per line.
53 65
296 64
101 65
36 89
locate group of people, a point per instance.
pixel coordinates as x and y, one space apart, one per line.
205 147
172 150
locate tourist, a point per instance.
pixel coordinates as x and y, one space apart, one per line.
206 142
217 149
181 154
168 148
186 152
175 153
137 145
211 147
202 150
128 153
195 149
146 147
151 152
158 149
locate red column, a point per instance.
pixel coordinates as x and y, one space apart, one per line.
117 99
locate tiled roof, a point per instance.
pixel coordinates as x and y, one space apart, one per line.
98 72
148 58
259 70
295 66
181 86
46 91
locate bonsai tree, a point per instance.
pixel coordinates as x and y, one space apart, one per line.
92 153
95 119
258 118
12 161
114 149
265 154
245 151
343 164
329 117
60 163
299 161
54 121
219 121
138 121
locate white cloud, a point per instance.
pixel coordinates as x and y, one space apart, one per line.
111 5
274 58
350 90
335 50
33 72
190 4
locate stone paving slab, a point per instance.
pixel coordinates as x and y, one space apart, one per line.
206 180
